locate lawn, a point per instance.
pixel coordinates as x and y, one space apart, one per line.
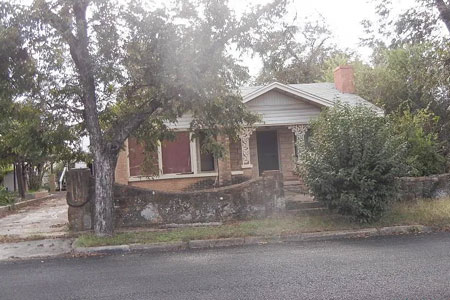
423 212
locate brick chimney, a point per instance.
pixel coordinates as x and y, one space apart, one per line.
344 79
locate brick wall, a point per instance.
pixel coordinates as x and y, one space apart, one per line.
224 163
122 172
235 155
254 155
286 148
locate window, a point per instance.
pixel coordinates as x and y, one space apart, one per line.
206 158
176 154
137 156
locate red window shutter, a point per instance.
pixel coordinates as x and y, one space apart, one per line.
176 154
136 158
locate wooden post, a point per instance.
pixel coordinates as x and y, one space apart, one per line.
79 194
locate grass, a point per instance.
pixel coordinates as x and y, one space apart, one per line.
6 198
424 212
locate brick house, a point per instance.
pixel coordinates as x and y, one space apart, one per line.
270 145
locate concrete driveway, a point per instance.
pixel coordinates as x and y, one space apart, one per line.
47 218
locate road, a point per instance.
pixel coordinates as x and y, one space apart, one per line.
398 267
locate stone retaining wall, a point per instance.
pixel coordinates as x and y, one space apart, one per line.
412 188
135 206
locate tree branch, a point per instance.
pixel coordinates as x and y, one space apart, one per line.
444 11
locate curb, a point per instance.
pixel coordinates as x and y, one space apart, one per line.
252 241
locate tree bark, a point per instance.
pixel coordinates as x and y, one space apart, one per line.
104 167
20 179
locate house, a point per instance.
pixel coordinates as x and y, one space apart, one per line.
286 110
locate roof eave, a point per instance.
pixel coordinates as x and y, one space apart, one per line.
299 93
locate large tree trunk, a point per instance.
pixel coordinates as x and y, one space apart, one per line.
104 167
20 174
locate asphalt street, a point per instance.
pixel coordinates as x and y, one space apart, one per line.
396 267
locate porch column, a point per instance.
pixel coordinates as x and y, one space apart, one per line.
245 146
224 163
299 131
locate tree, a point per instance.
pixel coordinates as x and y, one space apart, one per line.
16 68
30 136
411 77
31 139
128 68
350 161
418 132
420 23
294 53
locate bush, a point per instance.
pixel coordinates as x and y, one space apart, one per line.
350 160
6 198
418 131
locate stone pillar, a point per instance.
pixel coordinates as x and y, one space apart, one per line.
224 163
299 130
245 135
80 190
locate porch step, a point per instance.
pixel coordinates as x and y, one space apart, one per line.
293 205
291 182
295 187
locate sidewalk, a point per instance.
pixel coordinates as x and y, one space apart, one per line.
33 231
253 240
34 249
65 246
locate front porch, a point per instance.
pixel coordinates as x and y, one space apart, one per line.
266 148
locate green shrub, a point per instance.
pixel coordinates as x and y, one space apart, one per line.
350 160
418 130
6 198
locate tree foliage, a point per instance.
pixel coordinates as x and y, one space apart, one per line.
350 161
412 77
35 139
424 21
295 52
417 130
30 136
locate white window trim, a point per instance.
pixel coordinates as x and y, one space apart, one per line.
192 153
198 158
175 176
195 165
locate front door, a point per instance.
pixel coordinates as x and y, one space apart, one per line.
267 143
